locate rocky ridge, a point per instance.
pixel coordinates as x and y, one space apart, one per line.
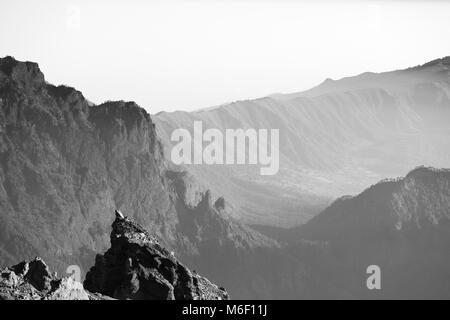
337 138
136 267
401 225
66 164
33 281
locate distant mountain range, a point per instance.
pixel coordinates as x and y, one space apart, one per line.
66 164
335 139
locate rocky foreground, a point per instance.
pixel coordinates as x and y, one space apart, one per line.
66 164
135 267
33 281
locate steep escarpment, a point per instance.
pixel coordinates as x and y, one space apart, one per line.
66 164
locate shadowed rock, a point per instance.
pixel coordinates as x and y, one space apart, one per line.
138 267
33 281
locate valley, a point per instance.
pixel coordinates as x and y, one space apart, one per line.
66 164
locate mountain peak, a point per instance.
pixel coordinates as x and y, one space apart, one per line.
25 74
138 267
423 171
419 200
445 61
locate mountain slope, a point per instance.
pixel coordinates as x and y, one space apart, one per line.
335 139
401 225
419 201
66 164
435 71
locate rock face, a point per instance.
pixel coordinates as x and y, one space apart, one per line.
138 267
33 281
66 164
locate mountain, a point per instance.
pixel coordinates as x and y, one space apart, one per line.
335 139
136 267
401 225
66 164
419 201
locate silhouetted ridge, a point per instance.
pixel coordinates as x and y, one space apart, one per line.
420 199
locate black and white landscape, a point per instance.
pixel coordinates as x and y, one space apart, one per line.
364 180
67 164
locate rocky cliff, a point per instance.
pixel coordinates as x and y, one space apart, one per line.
138 267
66 164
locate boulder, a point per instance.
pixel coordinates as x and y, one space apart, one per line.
33 281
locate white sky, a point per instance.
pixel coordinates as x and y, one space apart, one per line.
184 55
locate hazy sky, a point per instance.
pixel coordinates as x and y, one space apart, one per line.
169 55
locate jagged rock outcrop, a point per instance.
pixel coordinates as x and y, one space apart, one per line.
33 281
138 267
66 164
